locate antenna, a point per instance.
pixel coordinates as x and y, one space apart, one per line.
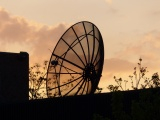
76 62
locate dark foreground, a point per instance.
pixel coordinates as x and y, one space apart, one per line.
138 104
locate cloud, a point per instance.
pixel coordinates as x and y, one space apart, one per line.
109 1
34 38
147 47
116 67
155 13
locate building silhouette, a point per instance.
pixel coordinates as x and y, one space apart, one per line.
14 69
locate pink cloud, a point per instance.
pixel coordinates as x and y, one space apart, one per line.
40 38
147 47
117 65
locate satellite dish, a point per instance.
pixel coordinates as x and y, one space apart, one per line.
76 62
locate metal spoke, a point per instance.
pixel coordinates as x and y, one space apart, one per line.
66 68
84 87
64 73
74 86
96 54
87 86
80 87
73 51
87 44
79 41
93 44
82 37
68 61
98 61
67 83
57 80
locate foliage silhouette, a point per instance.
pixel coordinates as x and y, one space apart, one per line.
146 106
37 81
138 80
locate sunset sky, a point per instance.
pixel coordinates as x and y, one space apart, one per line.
130 30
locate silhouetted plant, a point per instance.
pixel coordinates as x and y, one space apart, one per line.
37 81
98 90
139 75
